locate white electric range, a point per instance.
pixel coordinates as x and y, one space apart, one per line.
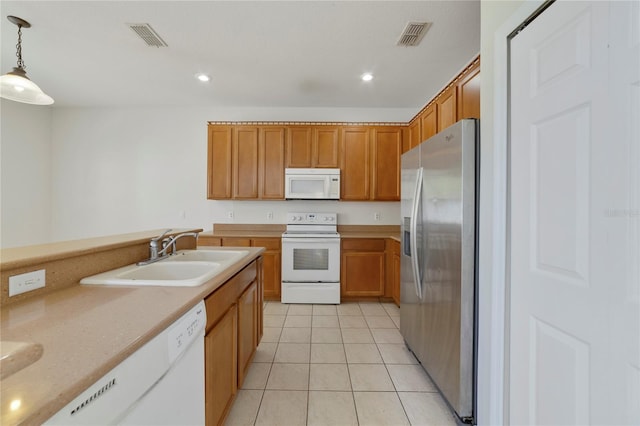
311 259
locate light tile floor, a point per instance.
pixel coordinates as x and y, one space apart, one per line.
336 365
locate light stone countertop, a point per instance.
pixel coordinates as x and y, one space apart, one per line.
84 332
346 231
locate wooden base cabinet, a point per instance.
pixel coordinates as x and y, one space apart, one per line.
234 322
363 267
221 372
247 329
395 271
271 261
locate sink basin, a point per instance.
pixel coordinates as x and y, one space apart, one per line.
162 273
226 256
187 268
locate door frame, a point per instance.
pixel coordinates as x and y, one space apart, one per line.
493 283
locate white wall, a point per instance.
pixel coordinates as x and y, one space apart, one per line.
127 169
493 14
25 177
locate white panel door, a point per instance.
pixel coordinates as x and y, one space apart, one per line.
574 232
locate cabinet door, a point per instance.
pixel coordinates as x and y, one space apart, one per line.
219 162
469 94
247 329
245 163
299 150
271 163
362 269
326 147
395 280
428 122
387 145
260 305
221 378
355 164
413 138
271 266
446 106
363 274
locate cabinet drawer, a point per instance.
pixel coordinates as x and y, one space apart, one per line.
209 241
220 300
236 242
363 244
267 243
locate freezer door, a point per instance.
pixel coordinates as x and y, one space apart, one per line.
411 249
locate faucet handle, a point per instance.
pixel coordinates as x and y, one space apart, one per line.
158 238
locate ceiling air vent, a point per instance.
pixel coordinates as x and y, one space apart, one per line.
146 33
413 33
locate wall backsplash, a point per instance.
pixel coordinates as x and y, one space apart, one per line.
349 213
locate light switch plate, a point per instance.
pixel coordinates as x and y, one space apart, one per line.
23 283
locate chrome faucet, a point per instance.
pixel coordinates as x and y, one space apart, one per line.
171 242
155 254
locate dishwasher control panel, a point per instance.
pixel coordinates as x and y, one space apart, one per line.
186 330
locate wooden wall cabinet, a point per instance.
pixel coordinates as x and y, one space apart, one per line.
271 159
413 136
232 335
371 163
468 87
313 147
356 164
428 122
362 268
219 162
387 149
244 159
246 162
447 108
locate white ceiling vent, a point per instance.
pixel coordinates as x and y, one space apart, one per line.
146 33
413 33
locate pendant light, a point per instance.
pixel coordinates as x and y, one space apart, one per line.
15 85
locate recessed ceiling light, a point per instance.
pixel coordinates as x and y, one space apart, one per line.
367 77
203 77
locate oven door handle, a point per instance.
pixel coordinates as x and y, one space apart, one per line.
310 240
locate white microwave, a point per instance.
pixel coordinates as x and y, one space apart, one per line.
312 184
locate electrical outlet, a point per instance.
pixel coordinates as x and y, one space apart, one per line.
229 215
270 215
376 216
23 283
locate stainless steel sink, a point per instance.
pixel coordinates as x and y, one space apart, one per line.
186 268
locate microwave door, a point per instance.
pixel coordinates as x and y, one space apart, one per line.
305 187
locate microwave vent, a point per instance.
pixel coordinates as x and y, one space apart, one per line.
413 33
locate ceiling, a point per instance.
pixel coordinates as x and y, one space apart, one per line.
258 53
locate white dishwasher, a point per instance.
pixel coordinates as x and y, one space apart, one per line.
162 383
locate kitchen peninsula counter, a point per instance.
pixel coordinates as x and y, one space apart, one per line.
84 331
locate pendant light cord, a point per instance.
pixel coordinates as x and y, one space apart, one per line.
19 48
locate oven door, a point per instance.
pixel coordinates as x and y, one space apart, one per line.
310 259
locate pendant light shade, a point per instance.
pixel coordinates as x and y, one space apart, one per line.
15 85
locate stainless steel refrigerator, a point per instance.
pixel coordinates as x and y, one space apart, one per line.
438 262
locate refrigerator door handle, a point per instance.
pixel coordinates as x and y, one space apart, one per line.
415 265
